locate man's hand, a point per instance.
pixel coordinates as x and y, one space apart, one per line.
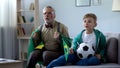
56 35
35 36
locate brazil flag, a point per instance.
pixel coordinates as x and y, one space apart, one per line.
32 45
66 42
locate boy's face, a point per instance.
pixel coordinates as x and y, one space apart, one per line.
89 23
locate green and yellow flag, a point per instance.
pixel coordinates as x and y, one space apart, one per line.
40 46
66 42
32 45
66 49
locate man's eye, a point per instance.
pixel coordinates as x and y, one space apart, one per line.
44 13
49 12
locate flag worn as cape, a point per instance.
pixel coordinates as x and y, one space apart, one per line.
32 45
66 42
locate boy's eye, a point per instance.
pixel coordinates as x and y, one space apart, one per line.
85 21
89 21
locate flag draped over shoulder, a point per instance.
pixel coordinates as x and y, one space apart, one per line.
66 42
32 45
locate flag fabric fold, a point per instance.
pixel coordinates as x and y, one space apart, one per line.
32 45
40 46
66 42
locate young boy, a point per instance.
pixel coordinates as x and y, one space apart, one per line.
89 35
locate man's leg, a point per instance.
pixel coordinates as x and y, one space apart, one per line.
89 61
33 58
48 56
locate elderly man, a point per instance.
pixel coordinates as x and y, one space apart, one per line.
49 34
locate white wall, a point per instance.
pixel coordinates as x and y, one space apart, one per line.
71 16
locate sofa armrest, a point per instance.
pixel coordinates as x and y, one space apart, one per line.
119 49
112 50
117 36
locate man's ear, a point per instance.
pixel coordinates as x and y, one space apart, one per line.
54 15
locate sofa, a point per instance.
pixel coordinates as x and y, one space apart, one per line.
112 53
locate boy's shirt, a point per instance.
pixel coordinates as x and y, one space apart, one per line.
89 38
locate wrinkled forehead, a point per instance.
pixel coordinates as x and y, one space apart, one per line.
48 10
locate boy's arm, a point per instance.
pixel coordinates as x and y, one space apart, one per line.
76 41
102 46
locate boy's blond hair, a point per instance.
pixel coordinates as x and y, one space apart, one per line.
90 15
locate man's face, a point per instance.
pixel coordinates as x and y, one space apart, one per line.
48 15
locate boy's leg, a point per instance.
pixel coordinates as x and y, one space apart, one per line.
57 62
62 61
94 61
89 61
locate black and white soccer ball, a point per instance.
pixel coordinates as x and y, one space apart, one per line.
85 50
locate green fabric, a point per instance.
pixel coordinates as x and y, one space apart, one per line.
32 47
66 42
100 43
31 44
40 46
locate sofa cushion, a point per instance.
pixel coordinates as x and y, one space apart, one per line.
109 35
108 65
112 50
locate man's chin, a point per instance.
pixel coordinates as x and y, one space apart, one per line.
48 21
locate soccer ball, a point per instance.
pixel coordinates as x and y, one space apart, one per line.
85 50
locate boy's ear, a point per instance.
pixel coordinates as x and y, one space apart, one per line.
95 24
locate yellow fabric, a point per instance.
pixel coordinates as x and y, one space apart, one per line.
40 46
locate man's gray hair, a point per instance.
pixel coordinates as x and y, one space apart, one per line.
49 7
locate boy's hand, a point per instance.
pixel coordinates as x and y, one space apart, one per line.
98 56
71 51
